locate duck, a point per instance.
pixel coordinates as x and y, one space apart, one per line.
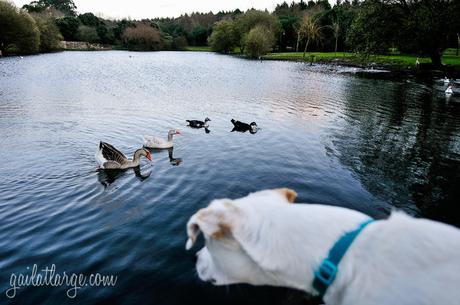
157 142
198 124
243 127
108 157
449 90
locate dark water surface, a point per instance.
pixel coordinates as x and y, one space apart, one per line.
336 139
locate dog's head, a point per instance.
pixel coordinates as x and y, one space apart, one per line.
240 246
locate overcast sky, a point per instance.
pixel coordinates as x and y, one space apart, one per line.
137 9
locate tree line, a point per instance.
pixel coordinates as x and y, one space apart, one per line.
423 27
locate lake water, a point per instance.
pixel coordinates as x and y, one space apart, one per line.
369 144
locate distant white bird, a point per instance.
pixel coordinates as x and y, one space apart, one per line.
157 142
446 80
449 90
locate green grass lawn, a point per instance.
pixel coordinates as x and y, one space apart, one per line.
449 58
198 49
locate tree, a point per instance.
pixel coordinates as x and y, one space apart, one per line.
336 32
179 43
18 30
121 26
89 19
259 41
311 30
199 35
288 36
87 33
253 18
68 27
246 22
413 26
425 26
49 34
373 29
223 38
142 37
68 7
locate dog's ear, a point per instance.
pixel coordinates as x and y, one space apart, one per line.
214 221
287 193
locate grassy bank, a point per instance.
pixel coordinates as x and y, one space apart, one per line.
198 49
401 60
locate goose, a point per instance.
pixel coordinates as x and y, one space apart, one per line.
198 124
156 142
243 127
449 90
109 157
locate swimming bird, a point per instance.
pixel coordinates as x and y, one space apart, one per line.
446 80
108 157
156 142
449 90
243 127
198 124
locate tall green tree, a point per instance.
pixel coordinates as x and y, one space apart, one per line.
425 26
223 38
311 30
18 30
50 36
373 29
69 27
68 7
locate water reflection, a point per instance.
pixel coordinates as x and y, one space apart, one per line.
406 152
336 139
173 161
108 176
206 129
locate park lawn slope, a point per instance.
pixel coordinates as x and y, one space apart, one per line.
401 60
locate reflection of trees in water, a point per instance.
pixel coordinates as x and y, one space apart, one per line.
403 144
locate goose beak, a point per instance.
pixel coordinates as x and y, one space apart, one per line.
178 131
148 156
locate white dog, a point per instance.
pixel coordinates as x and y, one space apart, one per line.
262 240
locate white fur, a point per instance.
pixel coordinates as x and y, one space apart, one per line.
267 241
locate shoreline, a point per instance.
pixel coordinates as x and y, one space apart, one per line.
329 60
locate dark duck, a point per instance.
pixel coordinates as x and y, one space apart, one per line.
198 124
243 127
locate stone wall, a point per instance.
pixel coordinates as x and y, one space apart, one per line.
83 46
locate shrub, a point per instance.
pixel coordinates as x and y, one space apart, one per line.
259 41
179 43
141 38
